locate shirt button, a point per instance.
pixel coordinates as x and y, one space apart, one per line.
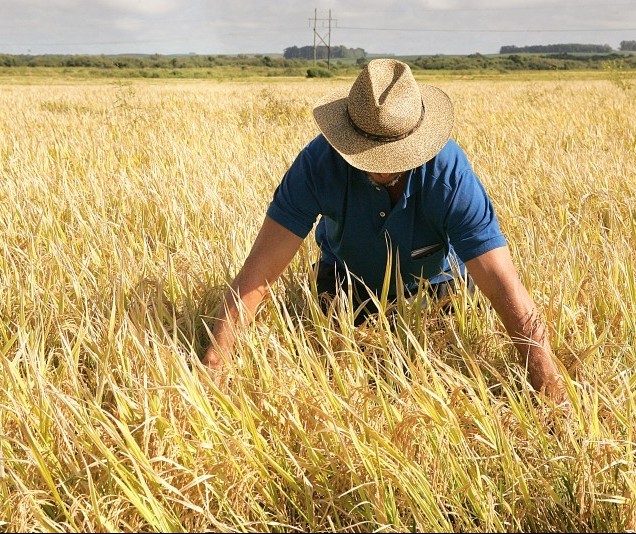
382 214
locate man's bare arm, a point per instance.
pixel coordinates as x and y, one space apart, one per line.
271 253
495 275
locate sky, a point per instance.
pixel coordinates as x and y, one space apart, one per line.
400 27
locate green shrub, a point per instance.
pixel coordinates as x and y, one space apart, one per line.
317 72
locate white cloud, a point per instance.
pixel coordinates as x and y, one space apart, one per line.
128 24
53 4
141 7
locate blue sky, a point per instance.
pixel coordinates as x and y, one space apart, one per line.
261 26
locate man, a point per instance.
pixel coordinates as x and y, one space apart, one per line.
386 179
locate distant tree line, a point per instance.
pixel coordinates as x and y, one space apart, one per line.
570 48
628 46
511 62
337 52
193 65
141 61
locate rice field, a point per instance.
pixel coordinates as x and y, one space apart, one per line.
127 208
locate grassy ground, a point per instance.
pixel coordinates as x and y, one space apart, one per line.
129 205
347 70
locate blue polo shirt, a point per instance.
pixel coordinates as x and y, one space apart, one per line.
444 217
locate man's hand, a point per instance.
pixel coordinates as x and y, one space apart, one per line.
557 392
496 276
213 364
212 359
273 249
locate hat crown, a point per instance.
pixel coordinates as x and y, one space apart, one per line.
385 99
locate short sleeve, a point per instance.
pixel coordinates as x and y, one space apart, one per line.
295 205
471 223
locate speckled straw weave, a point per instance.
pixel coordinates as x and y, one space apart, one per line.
386 122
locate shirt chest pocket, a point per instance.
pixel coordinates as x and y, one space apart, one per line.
426 251
426 260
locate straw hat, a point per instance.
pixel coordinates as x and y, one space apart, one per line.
386 122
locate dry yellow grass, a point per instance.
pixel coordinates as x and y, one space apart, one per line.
127 207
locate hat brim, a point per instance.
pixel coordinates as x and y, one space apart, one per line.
330 113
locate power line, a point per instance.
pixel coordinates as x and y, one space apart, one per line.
603 6
91 43
149 41
455 30
363 28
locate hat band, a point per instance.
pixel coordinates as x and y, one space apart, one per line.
384 138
